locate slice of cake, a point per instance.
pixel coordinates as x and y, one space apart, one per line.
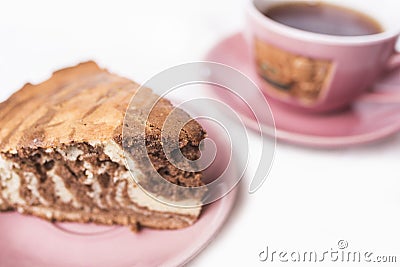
61 155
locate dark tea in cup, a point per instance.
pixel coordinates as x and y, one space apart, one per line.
323 18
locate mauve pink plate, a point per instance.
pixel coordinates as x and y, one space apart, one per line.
29 241
369 119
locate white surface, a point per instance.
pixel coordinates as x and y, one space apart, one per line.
312 199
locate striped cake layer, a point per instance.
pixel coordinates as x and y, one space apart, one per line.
83 183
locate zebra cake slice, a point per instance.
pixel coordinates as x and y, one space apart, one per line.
61 155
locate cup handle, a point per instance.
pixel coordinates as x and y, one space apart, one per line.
387 90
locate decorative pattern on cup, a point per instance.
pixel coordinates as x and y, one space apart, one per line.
289 75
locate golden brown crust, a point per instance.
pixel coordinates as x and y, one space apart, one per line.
76 105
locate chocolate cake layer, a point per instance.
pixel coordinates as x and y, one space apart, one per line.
61 155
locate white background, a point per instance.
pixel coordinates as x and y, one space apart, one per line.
312 199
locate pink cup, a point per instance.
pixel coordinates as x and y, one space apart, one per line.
318 72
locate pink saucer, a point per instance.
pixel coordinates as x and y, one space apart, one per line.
364 122
29 241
